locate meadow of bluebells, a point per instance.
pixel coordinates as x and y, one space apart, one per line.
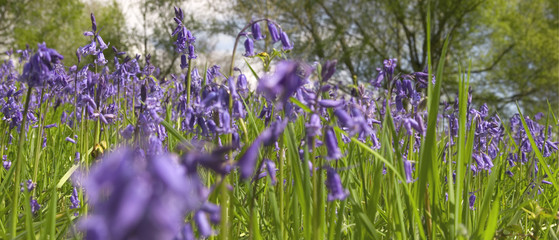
107 149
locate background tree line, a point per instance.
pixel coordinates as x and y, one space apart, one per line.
513 45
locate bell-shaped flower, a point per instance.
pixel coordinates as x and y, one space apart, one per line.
334 185
256 32
285 41
331 143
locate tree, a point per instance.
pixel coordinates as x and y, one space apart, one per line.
529 72
360 34
61 23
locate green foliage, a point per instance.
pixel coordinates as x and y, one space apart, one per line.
513 43
529 71
60 23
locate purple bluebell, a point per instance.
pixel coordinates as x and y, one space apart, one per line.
74 200
138 196
204 227
283 83
35 206
508 172
270 170
93 23
186 233
238 109
225 121
248 160
285 41
328 70
331 103
472 200
215 161
184 63
334 185
344 118
249 47
271 134
214 212
389 66
274 34
408 169
40 66
6 165
242 84
256 32
331 143
377 82
191 52
409 124
29 185
314 126
51 126
69 139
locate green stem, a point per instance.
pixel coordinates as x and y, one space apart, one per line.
188 81
19 158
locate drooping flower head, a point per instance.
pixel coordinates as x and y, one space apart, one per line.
249 47
256 32
331 143
273 30
334 185
40 66
286 44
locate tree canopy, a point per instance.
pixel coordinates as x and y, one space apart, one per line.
512 45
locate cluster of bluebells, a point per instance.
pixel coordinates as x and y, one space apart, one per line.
276 34
185 40
95 47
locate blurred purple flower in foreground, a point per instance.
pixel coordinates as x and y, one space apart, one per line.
138 197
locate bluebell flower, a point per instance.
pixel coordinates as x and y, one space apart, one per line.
137 196
408 169
186 233
191 52
256 33
331 143
184 64
74 200
389 66
334 185
40 67
69 139
285 41
472 200
328 70
248 160
314 126
283 83
331 103
274 34
35 206
6 165
204 227
249 47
